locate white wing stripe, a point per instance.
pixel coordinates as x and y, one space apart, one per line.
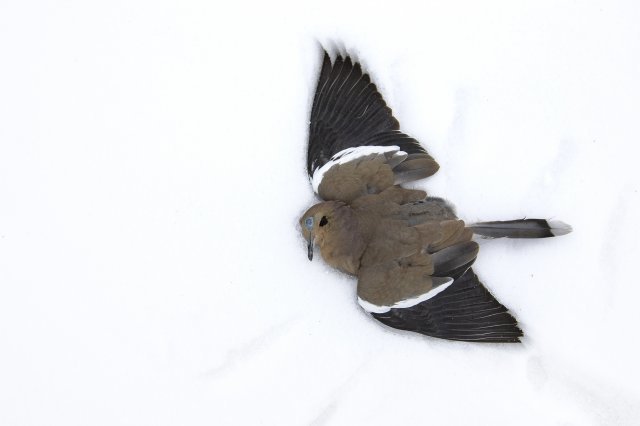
351 154
370 307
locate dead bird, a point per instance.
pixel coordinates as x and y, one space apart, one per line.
411 254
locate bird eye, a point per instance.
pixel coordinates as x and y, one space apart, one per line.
308 222
323 221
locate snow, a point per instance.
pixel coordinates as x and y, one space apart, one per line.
152 173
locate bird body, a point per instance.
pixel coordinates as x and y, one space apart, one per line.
411 254
395 255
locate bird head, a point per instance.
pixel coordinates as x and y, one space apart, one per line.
316 221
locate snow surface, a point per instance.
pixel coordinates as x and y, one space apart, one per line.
152 171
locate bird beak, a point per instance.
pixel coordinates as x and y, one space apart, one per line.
310 246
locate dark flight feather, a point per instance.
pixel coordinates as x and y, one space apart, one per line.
465 311
348 111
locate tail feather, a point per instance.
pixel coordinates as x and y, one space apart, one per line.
521 228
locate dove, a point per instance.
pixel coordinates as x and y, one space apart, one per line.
410 253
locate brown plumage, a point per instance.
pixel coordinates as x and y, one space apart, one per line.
410 253
373 238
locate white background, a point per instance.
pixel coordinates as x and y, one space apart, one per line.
152 171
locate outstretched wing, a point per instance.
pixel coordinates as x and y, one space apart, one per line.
353 135
465 310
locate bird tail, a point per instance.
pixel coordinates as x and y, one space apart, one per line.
521 228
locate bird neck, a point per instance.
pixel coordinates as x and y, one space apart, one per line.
342 244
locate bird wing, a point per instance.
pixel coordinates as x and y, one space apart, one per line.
354 138
464 310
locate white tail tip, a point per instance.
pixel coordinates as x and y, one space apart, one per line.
558 227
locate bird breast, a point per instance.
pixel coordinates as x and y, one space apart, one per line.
342 241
